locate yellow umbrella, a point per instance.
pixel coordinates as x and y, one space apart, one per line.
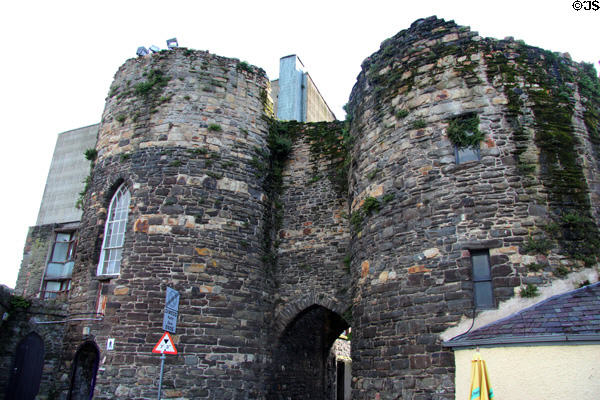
481 389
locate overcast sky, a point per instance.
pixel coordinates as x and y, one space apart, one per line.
59 59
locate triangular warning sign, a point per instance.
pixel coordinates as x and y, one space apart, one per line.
165 345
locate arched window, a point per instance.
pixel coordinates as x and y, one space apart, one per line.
114 233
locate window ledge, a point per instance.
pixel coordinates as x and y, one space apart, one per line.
106 277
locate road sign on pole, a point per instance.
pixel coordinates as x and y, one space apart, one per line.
165 345
171 310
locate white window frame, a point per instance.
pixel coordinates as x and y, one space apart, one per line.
114 233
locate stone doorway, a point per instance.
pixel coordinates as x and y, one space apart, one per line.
302 365
26 374
85 367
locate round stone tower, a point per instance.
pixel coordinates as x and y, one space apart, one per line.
474 173
178 136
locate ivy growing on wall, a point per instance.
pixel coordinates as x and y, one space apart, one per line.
90 154
463 131
329 142
547 81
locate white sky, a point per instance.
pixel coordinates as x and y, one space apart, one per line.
59 59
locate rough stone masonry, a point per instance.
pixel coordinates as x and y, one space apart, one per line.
281 235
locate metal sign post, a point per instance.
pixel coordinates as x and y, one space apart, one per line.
162 365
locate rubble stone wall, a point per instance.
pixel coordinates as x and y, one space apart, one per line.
37 245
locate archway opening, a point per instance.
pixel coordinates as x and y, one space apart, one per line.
303 367
85 367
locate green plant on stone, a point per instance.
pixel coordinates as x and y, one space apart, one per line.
244 66
540 246
561 271
121 118
214 175
155 82
315 178
371 204
387 198
463 131
198 151
91 154
373 173
124 157
536 267
19 302
529 291
215 128
419 124
113 91
356 219
175 163
401 114
347 261
574 219
87 182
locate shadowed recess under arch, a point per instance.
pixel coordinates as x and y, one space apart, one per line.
300 355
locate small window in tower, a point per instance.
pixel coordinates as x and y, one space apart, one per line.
463 132
483 291
466 154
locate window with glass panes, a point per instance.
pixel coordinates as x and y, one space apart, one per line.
114 233
482 279
57 278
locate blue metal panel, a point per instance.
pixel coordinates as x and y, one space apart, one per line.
290 103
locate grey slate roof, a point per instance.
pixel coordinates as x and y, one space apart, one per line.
571 316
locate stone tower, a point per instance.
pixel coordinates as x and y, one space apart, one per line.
179 133
467 172
474 171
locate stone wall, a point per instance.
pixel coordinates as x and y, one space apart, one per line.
47 319
313 282
417 214
35 253
314 236
180 130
